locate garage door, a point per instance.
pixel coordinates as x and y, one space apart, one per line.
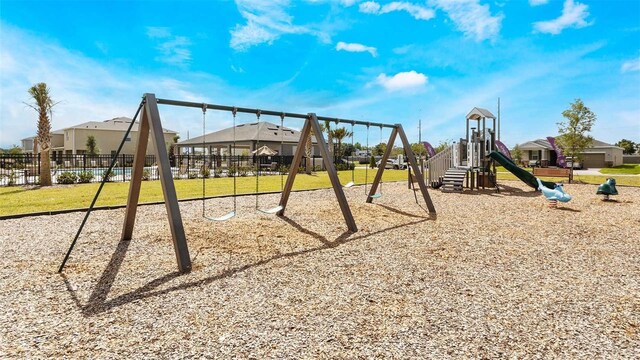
593 160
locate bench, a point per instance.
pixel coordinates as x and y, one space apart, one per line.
553 172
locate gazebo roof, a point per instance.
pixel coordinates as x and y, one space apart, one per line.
262 131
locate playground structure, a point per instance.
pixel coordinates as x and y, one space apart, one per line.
468 158
150 127
474 159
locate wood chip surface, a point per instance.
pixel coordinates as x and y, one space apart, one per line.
495 275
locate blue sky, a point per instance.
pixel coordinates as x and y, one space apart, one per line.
391 62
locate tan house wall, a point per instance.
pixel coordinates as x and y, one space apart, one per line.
75 141
612 156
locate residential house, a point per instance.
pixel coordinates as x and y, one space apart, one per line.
598 155
108 135
245 139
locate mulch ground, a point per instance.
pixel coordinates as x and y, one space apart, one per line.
494 275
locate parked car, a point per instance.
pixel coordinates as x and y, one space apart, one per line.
534 163
392 164
575 164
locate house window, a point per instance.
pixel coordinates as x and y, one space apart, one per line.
534 155
128 138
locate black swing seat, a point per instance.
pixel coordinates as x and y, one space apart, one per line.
224 217
272 211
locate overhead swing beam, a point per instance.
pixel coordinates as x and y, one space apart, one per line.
397 129
268 112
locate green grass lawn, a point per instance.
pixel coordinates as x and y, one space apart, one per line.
587 179
633 169
18 200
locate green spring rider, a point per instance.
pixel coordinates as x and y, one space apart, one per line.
608 188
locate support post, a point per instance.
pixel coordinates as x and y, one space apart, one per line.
383 162
150 123
312 123
416 169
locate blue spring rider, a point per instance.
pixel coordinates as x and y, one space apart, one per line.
554 195
608 188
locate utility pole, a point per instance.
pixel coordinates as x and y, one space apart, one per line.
498 119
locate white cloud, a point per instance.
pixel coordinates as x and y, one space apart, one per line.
369 7
574 15
173 49
417 11
538 2
631 65
266 21
402 81
473 19
355 47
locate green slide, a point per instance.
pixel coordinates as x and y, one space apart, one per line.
522 174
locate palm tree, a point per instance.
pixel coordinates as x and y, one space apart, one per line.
327 127
43 105
307 154
339 134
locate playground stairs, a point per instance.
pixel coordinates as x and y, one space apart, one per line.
453 180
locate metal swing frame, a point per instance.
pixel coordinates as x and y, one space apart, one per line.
150 128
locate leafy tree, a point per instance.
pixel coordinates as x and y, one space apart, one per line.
628 146
443 145
419 150
574 130
14 150
358 146
516 153
43 105
339 134
349 150
379 149
171 149
92 146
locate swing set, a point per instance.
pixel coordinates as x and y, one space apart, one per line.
150 127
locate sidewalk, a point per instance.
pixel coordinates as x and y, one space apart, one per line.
596 171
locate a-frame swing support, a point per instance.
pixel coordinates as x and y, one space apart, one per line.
312 123
151 126
398 130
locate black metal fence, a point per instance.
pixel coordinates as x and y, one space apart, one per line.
67 168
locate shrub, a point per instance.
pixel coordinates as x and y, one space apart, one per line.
317 168
217 172
193 175
243 171
231 171
67 177
85 177
205 172
11 178
372 162
283 169
108 175
146 175
344 166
